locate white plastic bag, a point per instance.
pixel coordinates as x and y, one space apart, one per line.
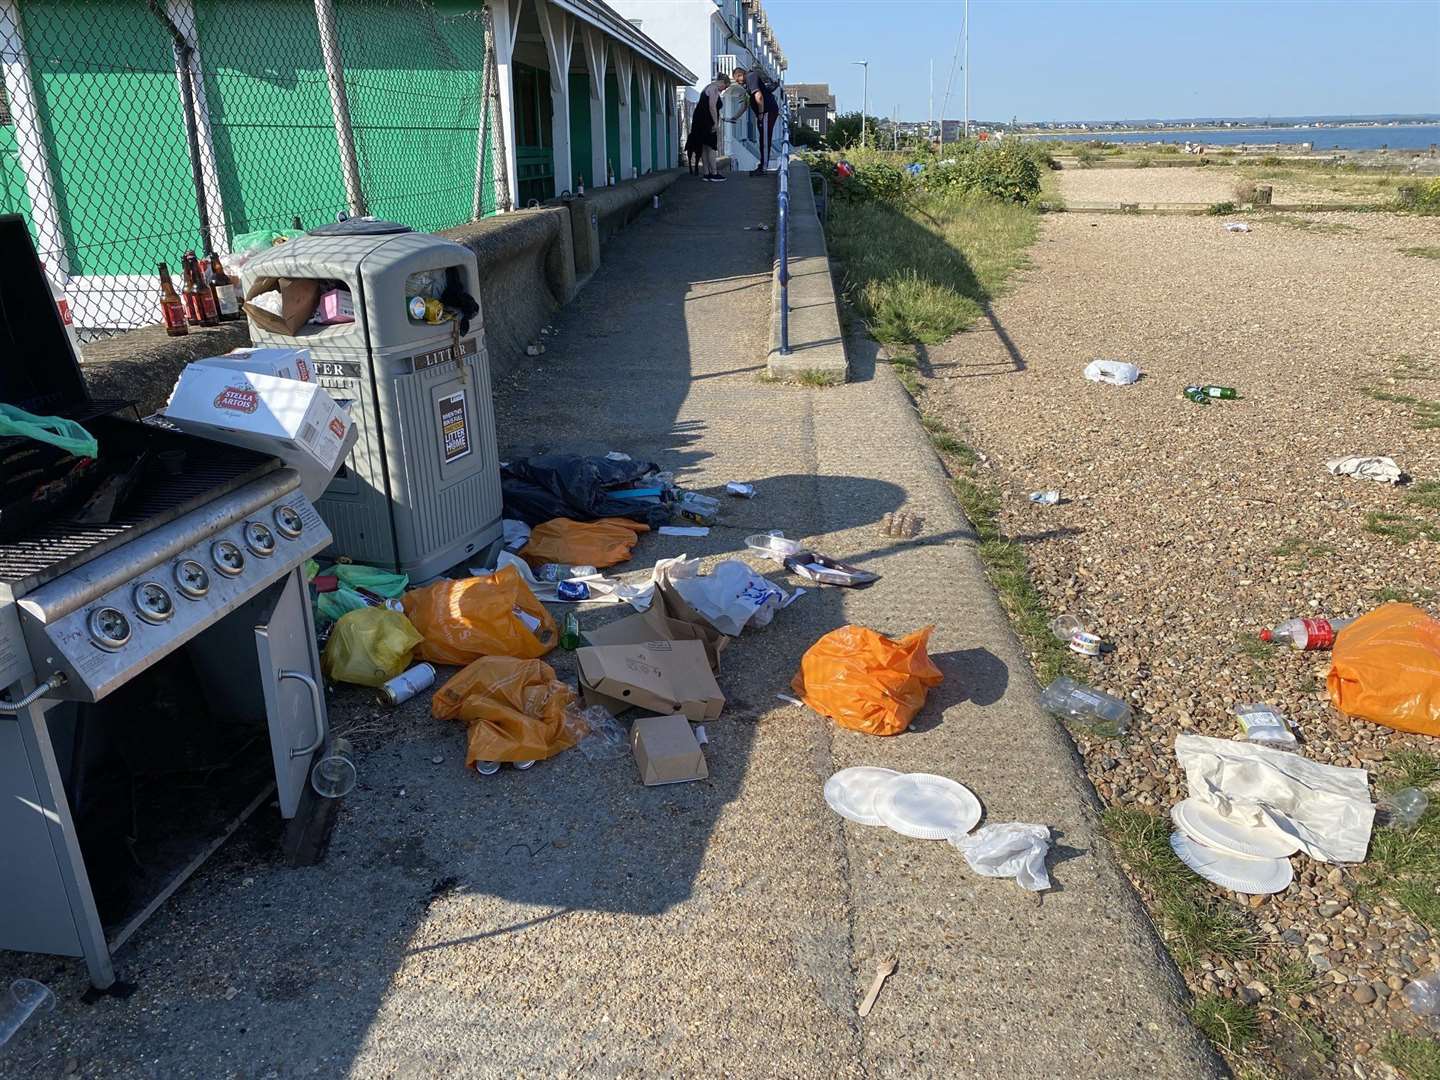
1008 849
1325 807
731 597
1115 372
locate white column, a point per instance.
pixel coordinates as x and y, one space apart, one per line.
340 105
595 57
182 14
624 65
34 162
506 21
558 30
646 114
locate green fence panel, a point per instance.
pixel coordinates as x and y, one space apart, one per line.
635 121
612 125
581 146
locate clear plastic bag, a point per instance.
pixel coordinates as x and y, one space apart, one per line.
597 734
1008 849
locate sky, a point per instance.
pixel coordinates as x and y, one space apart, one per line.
1121 59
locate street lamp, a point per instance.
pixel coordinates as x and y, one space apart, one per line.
865 100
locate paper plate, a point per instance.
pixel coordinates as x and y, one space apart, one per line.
851 792
927 807
1237 873
1200 821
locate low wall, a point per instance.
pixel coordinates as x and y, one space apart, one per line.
528 270
817 346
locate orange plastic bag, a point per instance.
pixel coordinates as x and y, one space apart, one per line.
1386 669
582 543
863 680
492 615
515 709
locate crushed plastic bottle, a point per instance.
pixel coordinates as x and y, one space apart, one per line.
1403 809
1108 716
1423 997
1306 635
1045 498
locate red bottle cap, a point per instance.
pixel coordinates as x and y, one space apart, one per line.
1266 635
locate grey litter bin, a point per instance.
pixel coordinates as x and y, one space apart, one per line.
421 489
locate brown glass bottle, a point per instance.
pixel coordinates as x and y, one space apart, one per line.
172 308
227 292
199 300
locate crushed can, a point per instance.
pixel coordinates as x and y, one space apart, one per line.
572 591
407 684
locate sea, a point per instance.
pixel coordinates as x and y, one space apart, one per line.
1397 137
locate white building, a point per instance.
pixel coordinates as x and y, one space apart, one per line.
710 36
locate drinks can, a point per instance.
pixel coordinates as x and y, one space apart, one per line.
407 684
572 591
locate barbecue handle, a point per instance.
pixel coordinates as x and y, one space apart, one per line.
317 703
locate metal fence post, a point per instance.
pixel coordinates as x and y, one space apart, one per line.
784 228
340 105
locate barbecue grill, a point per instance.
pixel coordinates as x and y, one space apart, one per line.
155 627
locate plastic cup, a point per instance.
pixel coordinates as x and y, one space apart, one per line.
1065 627
26 996
334 774
1404 808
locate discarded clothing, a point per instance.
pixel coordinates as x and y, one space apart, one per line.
1380 469
538 489
1008 849
1325 807
1114 372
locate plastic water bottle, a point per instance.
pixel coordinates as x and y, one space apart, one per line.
1306 634
1404 808
554 571
1423 997
1107 715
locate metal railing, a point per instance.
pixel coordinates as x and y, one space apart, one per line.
782 226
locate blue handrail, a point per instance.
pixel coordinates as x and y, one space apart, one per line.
783 226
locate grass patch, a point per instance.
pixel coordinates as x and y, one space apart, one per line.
1302 550
1420 252
1220 208
1424 412
1228 1024
922 271
1417 1057
1290 221
1252 648
1401 528
1194 920
1404 864
1426 493
1411 768
812 377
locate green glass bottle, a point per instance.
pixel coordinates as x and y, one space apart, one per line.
570 635
1203 394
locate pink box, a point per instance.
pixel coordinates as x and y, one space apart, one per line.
336 306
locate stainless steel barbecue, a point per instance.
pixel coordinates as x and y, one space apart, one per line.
155 627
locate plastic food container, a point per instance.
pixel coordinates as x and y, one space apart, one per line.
773 546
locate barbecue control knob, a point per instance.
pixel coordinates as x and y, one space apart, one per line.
227 557
259 539
152 602
288 523
192 579
109 628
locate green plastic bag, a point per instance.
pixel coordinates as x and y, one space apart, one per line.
369 646
55 430
330 606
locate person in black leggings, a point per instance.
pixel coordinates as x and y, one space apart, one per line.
765 107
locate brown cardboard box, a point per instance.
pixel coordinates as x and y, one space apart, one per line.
666 751
658 676
657 625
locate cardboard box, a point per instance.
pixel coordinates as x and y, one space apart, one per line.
658 676
666 751
277 363
656 625
336 306
298 422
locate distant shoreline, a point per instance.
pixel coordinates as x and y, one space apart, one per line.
1099 132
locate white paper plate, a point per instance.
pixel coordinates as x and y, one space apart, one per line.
851 792
927 807
1234 872
1200 821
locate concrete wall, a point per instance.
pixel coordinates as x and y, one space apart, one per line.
527 264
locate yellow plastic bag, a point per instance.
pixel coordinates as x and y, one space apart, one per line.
369 646
1386 669
515 709
492 615
582 543
865 681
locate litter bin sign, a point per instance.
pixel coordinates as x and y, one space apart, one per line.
421 489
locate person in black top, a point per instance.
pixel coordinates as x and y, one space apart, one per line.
704 139
766 108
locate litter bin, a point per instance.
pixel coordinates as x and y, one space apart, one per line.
421 489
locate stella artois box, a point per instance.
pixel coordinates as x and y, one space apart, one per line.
298 422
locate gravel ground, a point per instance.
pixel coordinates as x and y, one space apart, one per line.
1187 528
1210 184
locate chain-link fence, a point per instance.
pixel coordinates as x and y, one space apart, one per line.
132 131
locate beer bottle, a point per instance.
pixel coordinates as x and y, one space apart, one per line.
172 308
202 307
227 292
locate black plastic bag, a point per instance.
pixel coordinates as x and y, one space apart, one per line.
569 486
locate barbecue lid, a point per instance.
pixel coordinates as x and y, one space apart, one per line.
39 371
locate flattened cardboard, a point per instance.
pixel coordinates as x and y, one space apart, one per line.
666 751
666 677
656 625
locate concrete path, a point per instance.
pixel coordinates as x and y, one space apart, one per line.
569 922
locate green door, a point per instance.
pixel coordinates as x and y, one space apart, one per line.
534 150
612 125
669 93
581 148
655 125
635 122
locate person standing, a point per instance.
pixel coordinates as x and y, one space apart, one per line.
766 109
704 138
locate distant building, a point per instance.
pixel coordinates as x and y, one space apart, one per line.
811 105
710 36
